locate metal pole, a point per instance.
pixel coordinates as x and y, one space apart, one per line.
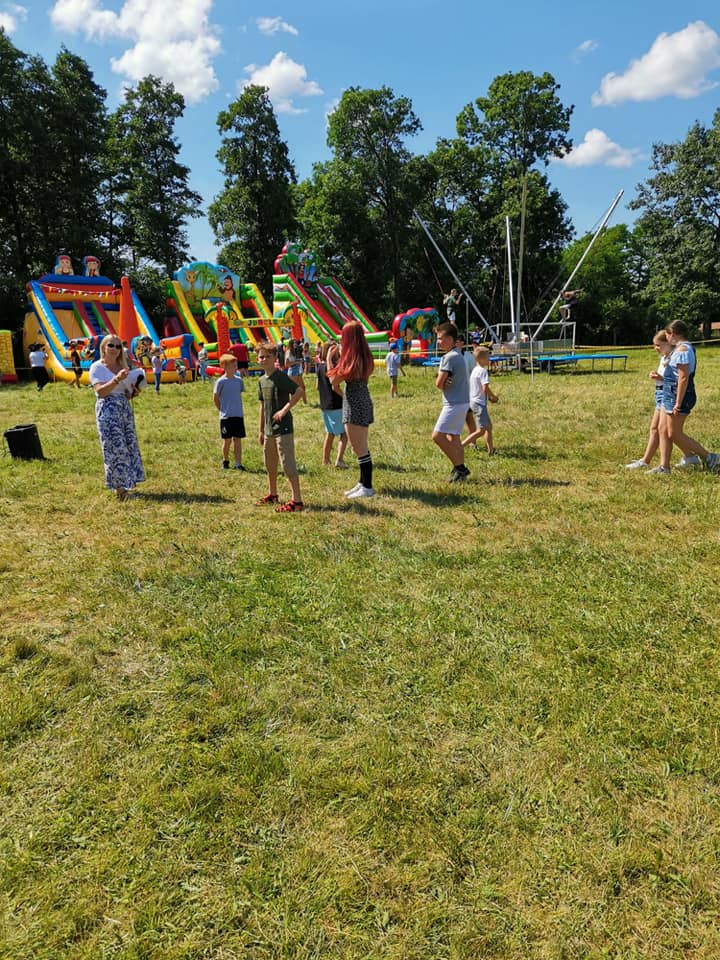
455 276
508 243
521 254
605 219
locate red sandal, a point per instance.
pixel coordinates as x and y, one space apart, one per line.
268 498
292 506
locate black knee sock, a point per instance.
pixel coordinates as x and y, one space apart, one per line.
365 464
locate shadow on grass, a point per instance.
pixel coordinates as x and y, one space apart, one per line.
176 497
525 482
429 497
393 467
520 451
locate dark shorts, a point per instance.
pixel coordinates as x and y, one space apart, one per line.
243 364
357 404
669 398
232 427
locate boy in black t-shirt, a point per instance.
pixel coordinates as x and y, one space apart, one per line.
278 394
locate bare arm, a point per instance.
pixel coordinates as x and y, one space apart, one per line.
284 411
441 380
683 370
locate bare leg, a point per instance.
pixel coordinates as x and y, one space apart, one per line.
665 435
358 437
450 445
327 449
342 443
653 438
681 439
237 448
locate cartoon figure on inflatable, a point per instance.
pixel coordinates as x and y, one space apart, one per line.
417 323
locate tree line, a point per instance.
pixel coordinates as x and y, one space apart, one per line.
77 177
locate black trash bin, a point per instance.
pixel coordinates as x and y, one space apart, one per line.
24 442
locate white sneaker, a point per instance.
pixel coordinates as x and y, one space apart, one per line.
353 489
361 492
691 461
659 470
637 465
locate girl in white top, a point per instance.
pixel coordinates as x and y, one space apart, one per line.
663 347
678 401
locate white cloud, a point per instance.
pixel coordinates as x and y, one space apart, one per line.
587 46
285 80
11 15
597 149
170 38
272 25
677 64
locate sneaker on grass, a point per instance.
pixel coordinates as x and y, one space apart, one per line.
361 492
691 461
659 470
637 465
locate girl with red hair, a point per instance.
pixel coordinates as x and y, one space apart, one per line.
354 369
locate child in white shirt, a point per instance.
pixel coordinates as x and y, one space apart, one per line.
480 394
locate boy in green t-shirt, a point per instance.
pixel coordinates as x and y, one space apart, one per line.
277 394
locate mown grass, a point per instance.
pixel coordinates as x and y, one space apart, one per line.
476 722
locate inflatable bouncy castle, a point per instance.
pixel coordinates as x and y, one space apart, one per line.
67 311
320 304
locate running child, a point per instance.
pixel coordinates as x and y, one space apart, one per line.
662 346
480 395
452 379
227 397
278 394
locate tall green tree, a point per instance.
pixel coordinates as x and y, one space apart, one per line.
157 200
368 133
611 308
679 228
254 214
489 171
76 128
25 102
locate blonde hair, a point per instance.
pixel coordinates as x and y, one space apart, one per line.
660 337
227 358
481 351
269 348
122 361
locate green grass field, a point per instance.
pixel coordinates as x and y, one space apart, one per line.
449 723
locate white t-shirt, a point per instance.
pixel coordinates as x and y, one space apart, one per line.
99 373
478 379
38 358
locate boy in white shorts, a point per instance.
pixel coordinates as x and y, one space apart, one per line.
452 379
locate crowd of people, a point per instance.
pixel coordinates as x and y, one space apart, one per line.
342 373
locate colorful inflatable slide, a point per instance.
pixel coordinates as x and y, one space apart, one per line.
194 294
320 304
64 306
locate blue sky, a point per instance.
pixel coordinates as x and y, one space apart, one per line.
637 72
